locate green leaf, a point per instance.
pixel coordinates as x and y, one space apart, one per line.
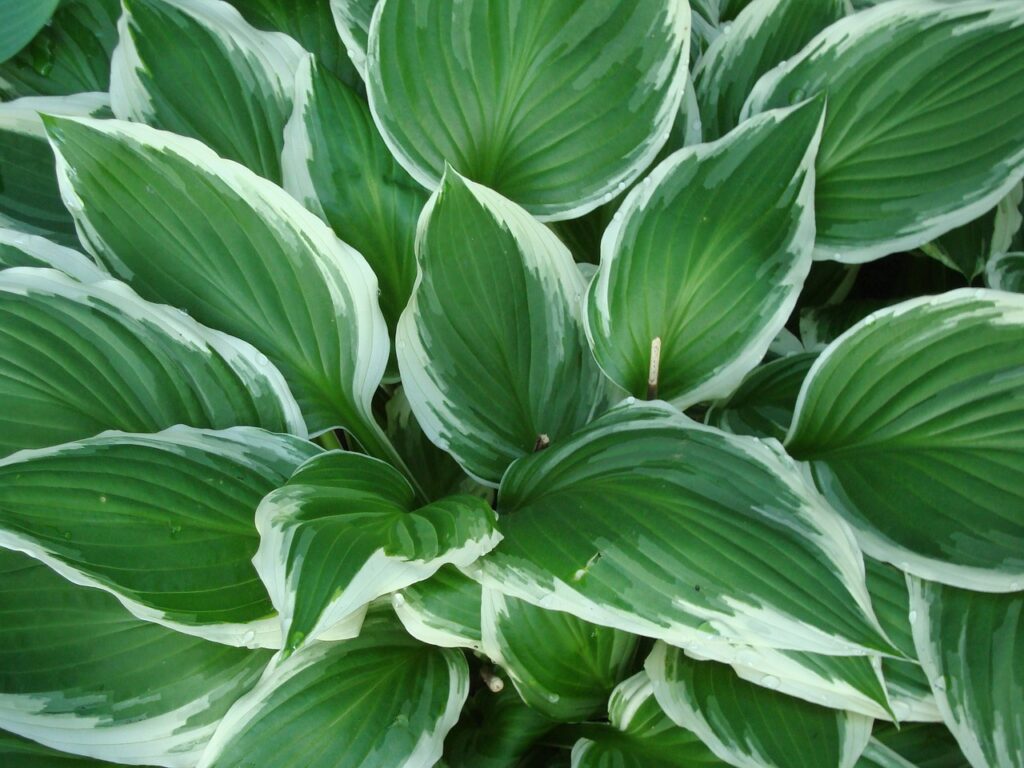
640 735
336 164
913 428
379 701
311 24
197 68
494 731
1006 272
77 359
187 228
30 199
83 675
18 249
491 350
971 645
646 502
345 530
443 610
70 55
163 522
562 666
17 752
352 18
750 726
877 755
820 326
762 405
498 92
925 123
766 33
20 21
923 744
706 258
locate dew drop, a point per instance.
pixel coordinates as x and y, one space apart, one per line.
579 574
912 616
552 697
630 400
398 599
771 682
249 639
746 657
103 499
175 530
262 359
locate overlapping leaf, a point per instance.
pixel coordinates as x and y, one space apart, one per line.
443 610
21 22
18 249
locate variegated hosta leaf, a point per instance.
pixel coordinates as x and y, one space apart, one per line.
877 755
923 745
352 18
763 403
766 33
913 427
640 735
820 326
18 752
971 645
18 249
30 199
443 610
705 260
904 159
336 164
382 700
562 666
162 521
491 347
77 359
311 24
651 523
1006 272
495 730
21 21
497 91
71 54
197 68
345 530
187 228
81 674
750 726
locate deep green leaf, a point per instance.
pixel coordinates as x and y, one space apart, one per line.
443 610
20 21
924 745
1006 272
494 731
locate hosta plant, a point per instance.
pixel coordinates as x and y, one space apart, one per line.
512 383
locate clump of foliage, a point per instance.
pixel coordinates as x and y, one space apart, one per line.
512 383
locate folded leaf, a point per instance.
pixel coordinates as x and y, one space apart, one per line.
971 645
562 666
913 428
704 260
1006 272
197 68
491 347
381 700
77 359
906 158
649 522
187 228
163 522
498 92
443 610
640 735
922 744
83 675
18 249
766 33
23 753
494 731
352 18
345 530
750 726
21 21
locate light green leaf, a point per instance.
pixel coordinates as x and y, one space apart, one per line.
766 33
1006 272
913 428
705 260
491 349
30 199
336 164
382 700
971 645
71 54
640 735
163 522
197 68
352 18
750 726
924 745
654 524
345 530
187 228
20 21
311 24
83 675
920 135
18 249
762 405
443 610
494 731
77 359
562 666
497 91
